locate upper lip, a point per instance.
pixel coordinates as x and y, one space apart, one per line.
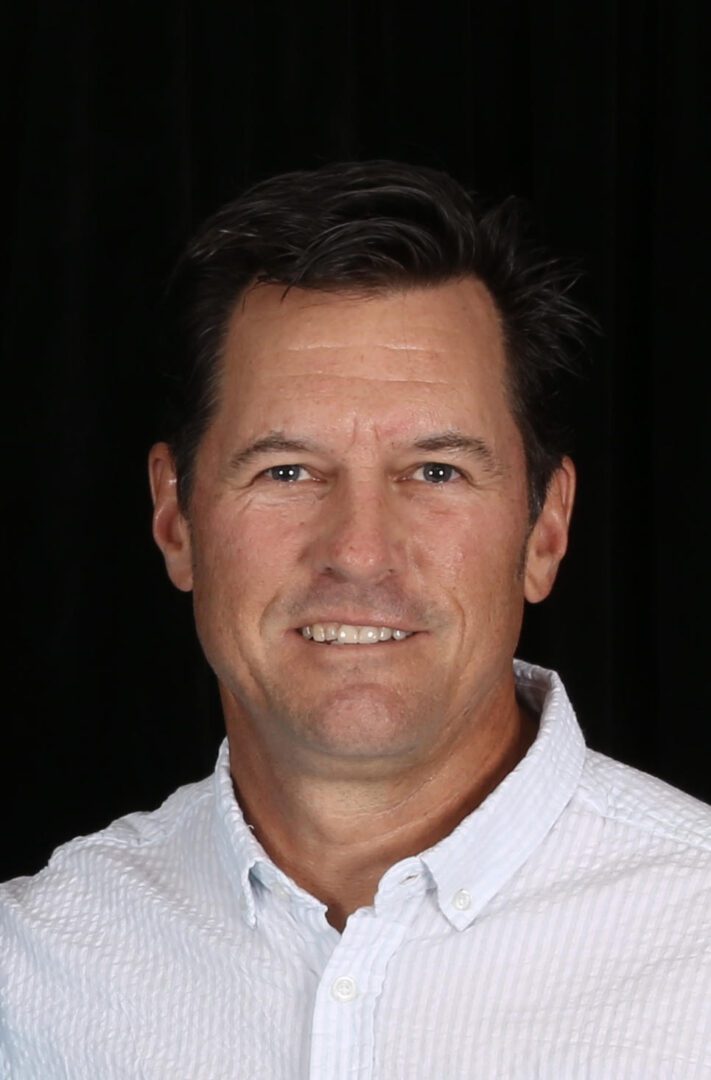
358 620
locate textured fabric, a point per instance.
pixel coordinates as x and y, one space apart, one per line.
562 930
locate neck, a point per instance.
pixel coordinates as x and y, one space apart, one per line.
337 836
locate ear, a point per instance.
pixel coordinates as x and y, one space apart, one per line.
171 530
548 540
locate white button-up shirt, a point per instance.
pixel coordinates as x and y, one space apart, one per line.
561 931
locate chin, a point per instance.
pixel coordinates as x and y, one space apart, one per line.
370 722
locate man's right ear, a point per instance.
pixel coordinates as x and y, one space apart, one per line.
171 531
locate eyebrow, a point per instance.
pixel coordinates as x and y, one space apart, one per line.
451 441
458 442
273 443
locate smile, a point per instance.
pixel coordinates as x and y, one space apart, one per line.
345 634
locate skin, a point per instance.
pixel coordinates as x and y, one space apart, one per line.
346 759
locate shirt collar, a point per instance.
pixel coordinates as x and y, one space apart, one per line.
469 866
245 861
482 853
239 849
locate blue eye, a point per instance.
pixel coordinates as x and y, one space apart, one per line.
286 474
434 472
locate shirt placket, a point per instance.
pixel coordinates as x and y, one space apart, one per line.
343 1027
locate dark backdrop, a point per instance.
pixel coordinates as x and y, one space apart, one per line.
126 124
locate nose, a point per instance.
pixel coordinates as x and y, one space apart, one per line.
360 536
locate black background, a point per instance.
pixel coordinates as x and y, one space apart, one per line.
126 124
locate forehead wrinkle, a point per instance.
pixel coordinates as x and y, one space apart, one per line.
328 375
327 346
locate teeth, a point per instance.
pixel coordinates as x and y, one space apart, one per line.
345 634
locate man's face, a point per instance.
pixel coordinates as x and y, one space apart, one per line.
362 468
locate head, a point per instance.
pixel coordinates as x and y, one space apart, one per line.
366 439
371 227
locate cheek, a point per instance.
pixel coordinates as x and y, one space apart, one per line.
462 542
243 559
475 560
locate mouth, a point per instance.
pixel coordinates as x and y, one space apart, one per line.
333 633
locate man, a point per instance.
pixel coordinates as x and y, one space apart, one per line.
407 864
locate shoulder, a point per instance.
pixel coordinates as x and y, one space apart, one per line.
630 837
639 804
110 935
83 874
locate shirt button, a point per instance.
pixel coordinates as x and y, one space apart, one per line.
344 989
462 900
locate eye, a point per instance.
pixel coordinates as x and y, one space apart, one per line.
435 472
286 474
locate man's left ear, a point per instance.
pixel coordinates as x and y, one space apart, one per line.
548 541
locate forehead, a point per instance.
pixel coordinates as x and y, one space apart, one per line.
388 356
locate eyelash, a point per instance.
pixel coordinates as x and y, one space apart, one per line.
451 471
